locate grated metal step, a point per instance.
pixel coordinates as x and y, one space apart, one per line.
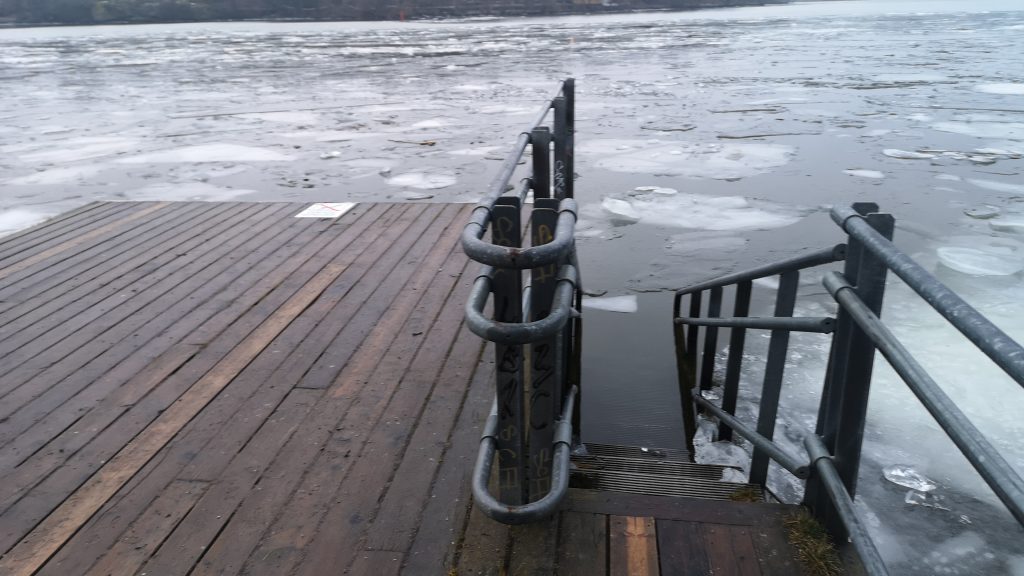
654 472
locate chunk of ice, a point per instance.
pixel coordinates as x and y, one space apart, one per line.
982 212
1007 89
718 161
875 174
209 153
700 212
1009 130
997 186
623 304
424 180
906 154
620 210
1012 224
303 118
949 177
907 477
19 218
980 262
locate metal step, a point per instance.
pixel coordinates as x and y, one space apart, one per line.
638 452
587 464
657 485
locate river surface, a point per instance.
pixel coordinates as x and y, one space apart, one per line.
708 142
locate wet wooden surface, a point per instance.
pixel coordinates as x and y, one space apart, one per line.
217 388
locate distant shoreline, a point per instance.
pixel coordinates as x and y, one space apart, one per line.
427 14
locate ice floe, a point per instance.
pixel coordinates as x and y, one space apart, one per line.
209 153
1008 130
623 304
997 186
982 255
58 175
694 211
983 212
1008 89
1011 224
19 218
874 174
907 477
424 180
188 191
302 118
76 149
906 154
721 161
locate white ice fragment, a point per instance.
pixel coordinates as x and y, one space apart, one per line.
18 219
733 476
329 155
656 190
474 151
907 477
424 180
722 161
982 212
623 304
980 261
209 153
417 196
949 177
303 118
875 174
906 154
620 210
1013 224
998 186
1010 130
1006 89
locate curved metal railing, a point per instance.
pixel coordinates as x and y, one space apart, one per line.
529 433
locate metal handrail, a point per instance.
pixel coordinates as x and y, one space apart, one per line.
520 332
859 331
520 258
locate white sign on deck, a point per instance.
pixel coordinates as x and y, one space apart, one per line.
326 210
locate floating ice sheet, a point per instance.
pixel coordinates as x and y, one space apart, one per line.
908 478
873 174
997 186
209 153
1009 89
1011 224
424 180
1008 130
718 161
303 118
696 211
76 149
187 191
623 304
906 154
982 255
58 175
19 218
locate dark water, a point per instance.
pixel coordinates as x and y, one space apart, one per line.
757 119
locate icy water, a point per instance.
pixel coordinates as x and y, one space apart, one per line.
708 142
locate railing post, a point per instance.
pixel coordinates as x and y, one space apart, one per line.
507 289
546 363
561 140
848 382
734 362
686 344
541 140
569 93
778 348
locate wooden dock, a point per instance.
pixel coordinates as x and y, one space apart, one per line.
224 388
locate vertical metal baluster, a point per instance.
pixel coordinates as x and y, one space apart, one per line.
541 140
507 288
734 363
545 390
569 93
707 367
560 139
778 348
693 332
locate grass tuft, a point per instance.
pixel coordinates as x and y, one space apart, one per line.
746 494
813 546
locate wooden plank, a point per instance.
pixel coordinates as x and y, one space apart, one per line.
681 549
68 224
35 549
534 548
102 254
376 563
195 531
162 244
730 550
257 302
686 509
582 544
136 545
435 542
485 546
632 546
355 405
78 241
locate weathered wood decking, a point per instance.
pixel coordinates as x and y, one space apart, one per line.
196 388
219 388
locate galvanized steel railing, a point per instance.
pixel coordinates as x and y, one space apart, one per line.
535 329
834 449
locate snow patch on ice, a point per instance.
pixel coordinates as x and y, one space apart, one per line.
623 304
209 153
424 180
